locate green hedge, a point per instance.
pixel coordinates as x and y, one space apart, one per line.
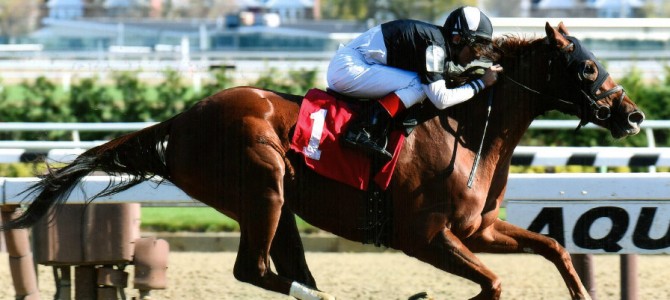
128 99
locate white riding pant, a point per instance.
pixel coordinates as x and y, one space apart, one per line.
350 74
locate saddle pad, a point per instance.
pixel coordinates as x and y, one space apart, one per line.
316 137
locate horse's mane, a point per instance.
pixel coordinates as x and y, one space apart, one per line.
509 45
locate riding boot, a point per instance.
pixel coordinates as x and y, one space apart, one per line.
369 132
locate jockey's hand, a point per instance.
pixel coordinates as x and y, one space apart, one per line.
491 75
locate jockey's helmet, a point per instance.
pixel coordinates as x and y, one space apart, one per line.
471 24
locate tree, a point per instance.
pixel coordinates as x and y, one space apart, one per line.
18 17
346 9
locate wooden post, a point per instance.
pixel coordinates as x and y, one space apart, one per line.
628 269
63 280
85 286
21 263
584 266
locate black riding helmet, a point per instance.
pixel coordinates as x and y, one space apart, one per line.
471 23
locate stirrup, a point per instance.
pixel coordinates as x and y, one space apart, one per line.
381 153
363 141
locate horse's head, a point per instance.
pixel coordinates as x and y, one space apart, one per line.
576 77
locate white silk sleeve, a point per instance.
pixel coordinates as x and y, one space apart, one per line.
442 97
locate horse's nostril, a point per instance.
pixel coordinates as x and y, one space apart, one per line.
636 117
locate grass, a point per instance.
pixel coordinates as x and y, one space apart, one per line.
199 219
196 219
502 213
205 219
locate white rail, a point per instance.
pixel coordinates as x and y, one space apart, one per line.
632 196
65 151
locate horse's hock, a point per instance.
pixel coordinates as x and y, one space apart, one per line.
99 240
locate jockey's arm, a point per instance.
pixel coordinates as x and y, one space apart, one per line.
442 97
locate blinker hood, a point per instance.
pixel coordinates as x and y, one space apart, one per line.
575 65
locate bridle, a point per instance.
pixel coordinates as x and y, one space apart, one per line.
573 63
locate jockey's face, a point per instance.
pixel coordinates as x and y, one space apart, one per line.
469 51
466 55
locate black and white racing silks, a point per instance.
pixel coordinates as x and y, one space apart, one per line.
421 47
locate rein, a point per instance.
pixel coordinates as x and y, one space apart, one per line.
601 112
527 88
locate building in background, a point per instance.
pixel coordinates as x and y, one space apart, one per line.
247 34
165 24
289 11
65 9
222 25
588 8
619 8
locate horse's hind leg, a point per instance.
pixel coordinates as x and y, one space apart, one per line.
259 213
258 219
287 252
503 237
448 253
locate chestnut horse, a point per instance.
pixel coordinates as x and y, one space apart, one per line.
231 152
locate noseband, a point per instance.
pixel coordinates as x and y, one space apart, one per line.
573 63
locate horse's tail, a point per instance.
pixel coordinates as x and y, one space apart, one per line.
140 154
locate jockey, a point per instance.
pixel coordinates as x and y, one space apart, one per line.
404 61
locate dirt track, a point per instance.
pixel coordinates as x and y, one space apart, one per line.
194 275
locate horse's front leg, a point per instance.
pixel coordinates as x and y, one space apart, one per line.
503 237
446 252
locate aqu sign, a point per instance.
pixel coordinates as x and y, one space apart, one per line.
620 226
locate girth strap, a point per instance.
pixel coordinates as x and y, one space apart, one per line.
378 216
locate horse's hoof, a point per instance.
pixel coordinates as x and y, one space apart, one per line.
421 296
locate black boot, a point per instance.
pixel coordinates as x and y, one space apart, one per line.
369 132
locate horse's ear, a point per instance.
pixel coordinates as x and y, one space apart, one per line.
562 29
555 37
551 33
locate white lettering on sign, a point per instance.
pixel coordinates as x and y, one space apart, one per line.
621 226
312 149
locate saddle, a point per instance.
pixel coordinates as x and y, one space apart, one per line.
406 122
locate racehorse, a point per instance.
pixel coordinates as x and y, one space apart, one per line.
231 152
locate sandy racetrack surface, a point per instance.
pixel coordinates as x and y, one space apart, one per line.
197 275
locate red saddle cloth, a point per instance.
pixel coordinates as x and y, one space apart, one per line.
317 133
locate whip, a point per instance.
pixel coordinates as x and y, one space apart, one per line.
475 164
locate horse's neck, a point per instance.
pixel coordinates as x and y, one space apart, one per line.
457 132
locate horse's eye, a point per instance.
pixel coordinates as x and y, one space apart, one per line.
589 71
